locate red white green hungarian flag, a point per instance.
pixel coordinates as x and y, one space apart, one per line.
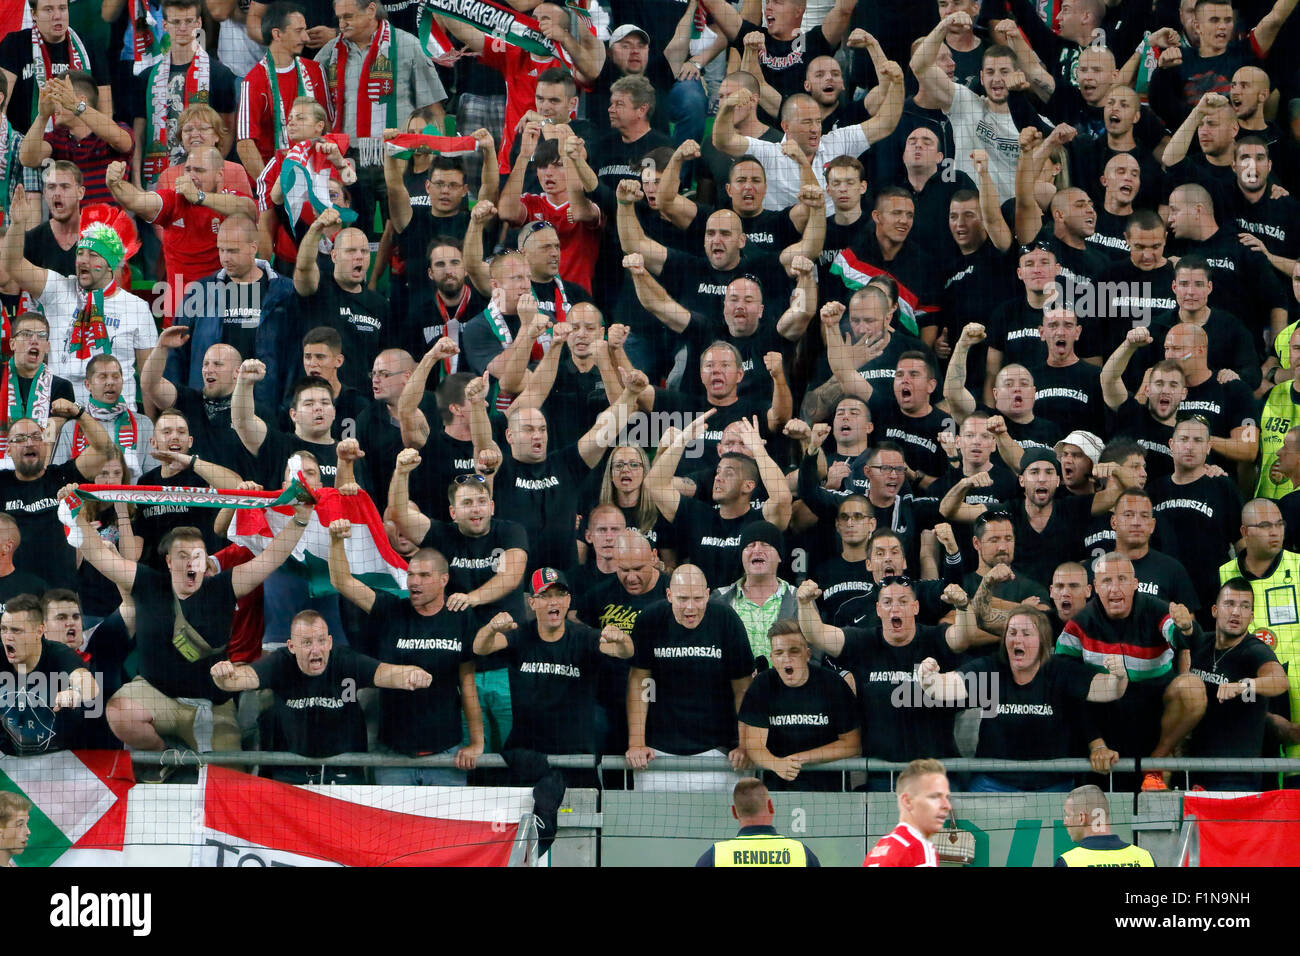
78 800
305 181
498 20
371 559
855 274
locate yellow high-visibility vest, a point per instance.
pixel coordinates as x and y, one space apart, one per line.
760 849
1128 855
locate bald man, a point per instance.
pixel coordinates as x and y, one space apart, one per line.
377 427
244 304
690 669
1250 89
13 581
1224 402
1245 284
188 215
341 299
1087 820
1160 707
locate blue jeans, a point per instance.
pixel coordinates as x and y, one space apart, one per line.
987 783
688 106
494 701
284 595
422 776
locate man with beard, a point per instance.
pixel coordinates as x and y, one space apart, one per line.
341 300
207 406
694 653
1158 574
442 306
1240 672
1150 423
316 711
88 313
28 490
240 305
1269 220
979 122
129 431
1160 707
994 541
1070 590
27 387
52 244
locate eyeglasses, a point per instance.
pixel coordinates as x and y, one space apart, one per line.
626 466
890 469
1264 525
853 516
39 335
471 479
383 375
198 128
24 439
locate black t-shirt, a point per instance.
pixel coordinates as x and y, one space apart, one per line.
426 720
19 582
1275 221
609 604
916 436
576 400
972 285
1203 519
208 612
1108 236
381 440
1137 422
682 405
711 541
543 497
318 716
153 521
1245 284
1038 432
240 314
413 241
361 318
803 718
278 447
1018 590
35 509
214 438
841 581
27 713
472 562
1233 728
693 709
1070 393
697 286
1174 91
1013 329
1161 576
884 673
552 689
1060 540
861 611
1143 295
41 249
1225 405
1040 720
785 62
1229 346
16 57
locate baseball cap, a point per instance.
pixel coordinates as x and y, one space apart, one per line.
530 228
546 578
625 30
763 531
1086 442
1033 455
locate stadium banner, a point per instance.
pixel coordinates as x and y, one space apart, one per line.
79 804
1262 829
314 829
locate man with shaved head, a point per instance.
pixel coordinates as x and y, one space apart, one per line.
1222 400
243 305
13 581
1245 284
1273 222
1121 181
341 299
1250 90
691 666
188 216
1160 707
1087 820
377 427
1214 125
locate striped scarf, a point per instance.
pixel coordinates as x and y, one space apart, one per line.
78 59
377 84
198 89
280 115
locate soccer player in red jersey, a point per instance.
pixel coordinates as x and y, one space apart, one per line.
923 808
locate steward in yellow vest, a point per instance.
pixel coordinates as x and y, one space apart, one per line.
1087 820
757 844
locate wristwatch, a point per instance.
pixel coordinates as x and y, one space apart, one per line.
81 108
202 198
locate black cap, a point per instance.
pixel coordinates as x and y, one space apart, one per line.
763 531
1033 455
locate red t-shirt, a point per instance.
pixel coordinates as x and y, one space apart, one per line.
521 70
903 846
579 241
284 244
255 119
189 241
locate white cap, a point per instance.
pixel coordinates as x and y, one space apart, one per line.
626 29
1086 442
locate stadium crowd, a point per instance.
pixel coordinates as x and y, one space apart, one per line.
776 380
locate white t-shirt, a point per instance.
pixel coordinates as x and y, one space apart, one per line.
127 318
783 172
975 126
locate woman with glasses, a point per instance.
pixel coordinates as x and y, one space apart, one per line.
622 484
201 125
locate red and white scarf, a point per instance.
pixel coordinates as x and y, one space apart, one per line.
120 423
377 84
279 110
78 59
198 89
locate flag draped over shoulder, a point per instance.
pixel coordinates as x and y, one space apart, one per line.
855 273
305 181
78 800
371 558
